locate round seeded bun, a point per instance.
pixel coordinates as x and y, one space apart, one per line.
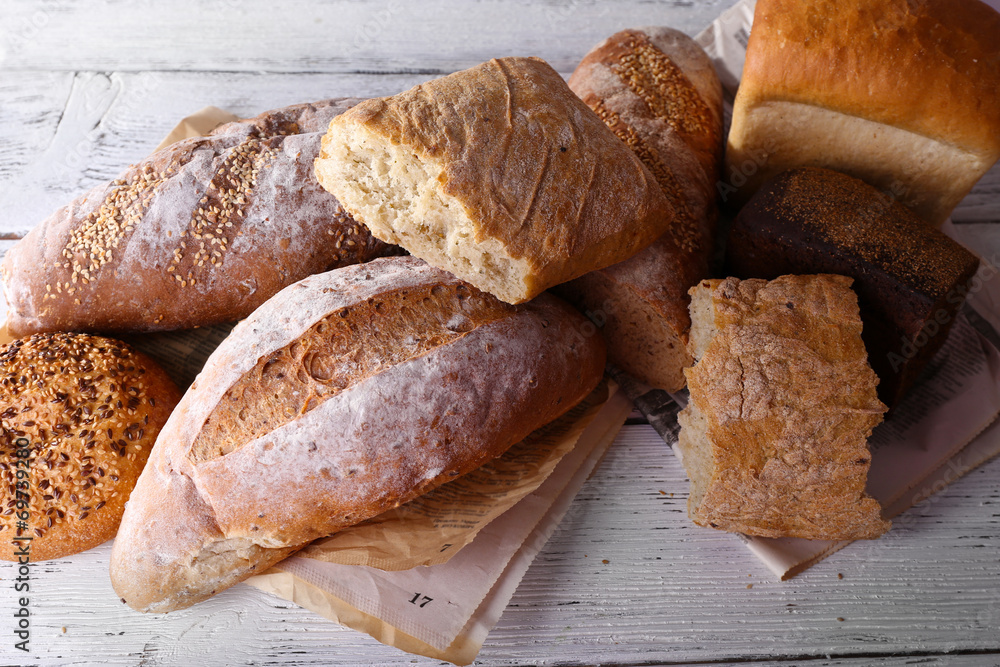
78 418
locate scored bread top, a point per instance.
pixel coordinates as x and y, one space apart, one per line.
789 401
209 226
930 67
531 187
279 442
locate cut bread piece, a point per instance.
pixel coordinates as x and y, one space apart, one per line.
498 174
774 438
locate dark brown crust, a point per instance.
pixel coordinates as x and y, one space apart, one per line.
88 412
534 167
417 423
910 278
790 402
199 233
658 92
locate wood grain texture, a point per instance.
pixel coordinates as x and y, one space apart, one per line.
626 579
88 87
332 36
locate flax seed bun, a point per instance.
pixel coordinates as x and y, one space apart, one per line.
85 412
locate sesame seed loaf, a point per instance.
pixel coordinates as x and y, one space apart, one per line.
199 233
80 415
910 278
904 95
499 174
658 92
343 396
774 438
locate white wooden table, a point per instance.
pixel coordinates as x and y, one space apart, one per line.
87 87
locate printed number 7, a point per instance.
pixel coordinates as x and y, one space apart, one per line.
416 599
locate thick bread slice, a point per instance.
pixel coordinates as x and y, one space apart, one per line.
499 174
199 233
657 90
903 95
343 396
774 438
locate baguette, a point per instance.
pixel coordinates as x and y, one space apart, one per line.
498 174
343 396
199 233
658 92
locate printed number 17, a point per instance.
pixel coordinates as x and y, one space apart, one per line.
416 599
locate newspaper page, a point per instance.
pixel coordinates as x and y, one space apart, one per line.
943 427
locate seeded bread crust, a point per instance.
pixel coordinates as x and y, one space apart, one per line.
345 395
199 233
911 279
499 174
658 92
80 415
774 438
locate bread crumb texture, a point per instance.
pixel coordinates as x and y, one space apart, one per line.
782 403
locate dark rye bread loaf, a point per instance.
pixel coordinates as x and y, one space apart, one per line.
343 396
911 279
199 233
78 418
658 92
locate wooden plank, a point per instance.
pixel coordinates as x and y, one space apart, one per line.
334 36
626 579
96 124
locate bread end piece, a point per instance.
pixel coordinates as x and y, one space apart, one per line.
498 174
774 438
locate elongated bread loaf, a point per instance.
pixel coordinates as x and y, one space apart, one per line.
199 233
658 92
774 438
903 95
498 174
343 396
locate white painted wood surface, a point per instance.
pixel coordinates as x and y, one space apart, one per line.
87 87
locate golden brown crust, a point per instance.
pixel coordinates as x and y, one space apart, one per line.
658 92
80 416
211 227
903 95
933 67
408 417
532 166
790 401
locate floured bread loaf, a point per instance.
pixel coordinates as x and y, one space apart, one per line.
774 438
903 95
498 174
199 233
910 278
346 394
658 92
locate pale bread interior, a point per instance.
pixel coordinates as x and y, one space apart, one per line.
928 176
399 196
693 442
